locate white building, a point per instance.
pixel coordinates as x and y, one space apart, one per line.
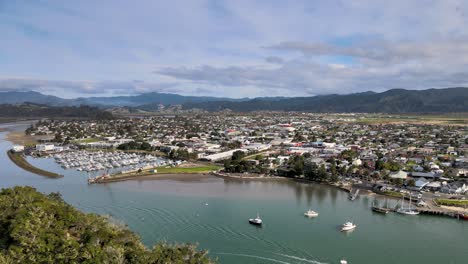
45 147
222 155
18 148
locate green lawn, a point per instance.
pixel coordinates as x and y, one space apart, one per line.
188 170
450 202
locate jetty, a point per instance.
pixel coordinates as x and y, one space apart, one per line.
20 161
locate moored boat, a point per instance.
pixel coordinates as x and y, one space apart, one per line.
407 210
380 209
311 213
462 216
256 221
348 226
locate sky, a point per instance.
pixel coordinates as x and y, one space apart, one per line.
239 48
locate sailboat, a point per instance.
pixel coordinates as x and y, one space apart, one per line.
380 209
256 221
408 210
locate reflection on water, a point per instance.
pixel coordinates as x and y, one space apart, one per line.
215 212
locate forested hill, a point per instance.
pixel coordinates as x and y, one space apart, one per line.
33 110
35 228
392 101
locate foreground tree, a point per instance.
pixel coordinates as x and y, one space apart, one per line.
35 228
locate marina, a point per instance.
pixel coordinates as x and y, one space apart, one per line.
113 162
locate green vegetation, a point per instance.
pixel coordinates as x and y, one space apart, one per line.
182 154
450 202
239 164
38 228
200 169
393 194
39 110
133 145
21 162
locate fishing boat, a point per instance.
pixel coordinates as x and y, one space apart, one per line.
407 210
348 226
256 221
311 213
380 209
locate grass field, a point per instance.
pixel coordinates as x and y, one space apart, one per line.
450 119
201 169
21 162
450 202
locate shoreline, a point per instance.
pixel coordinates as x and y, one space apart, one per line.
21 162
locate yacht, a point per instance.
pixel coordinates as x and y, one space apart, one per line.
348 226
407 210
256 221
380 209
311 213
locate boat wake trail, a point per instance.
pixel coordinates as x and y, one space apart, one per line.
300 259
252 256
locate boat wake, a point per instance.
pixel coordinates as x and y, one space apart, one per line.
252 256
300 259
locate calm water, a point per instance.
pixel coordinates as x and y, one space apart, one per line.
214 213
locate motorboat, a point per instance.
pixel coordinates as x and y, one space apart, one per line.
256 221
348 226
311 213
343 261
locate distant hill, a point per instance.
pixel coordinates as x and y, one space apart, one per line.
148 100
33 110
33 97
391 101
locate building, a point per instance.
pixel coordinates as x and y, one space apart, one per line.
18 148
221 155
45 147
399 175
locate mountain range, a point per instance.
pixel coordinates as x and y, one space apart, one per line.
391 101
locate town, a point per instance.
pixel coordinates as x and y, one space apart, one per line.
319 147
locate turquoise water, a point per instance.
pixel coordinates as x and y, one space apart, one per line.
214 212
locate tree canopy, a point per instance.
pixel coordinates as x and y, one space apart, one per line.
38 228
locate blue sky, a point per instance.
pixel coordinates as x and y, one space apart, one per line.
231 48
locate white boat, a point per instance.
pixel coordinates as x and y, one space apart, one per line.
311 213
348 226
256 221
343 261
407 210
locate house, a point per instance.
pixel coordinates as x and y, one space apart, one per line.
427 175
399 175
